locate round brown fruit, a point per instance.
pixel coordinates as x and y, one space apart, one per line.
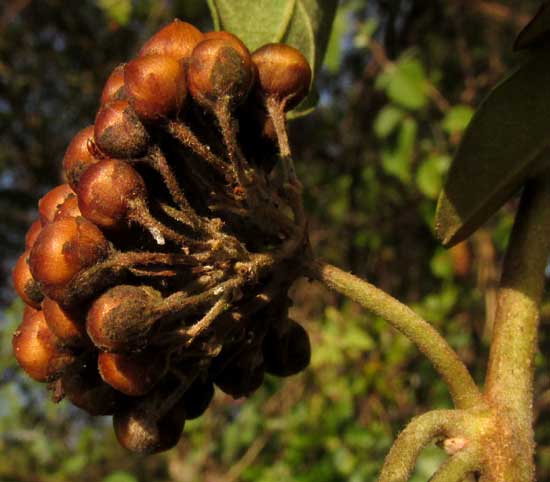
79 155
155 85
33 233
219 71
114 86
243 375
23 282
37 349
62 250
120 320
50 202
177 39
118 131
106 192
197 399
133 375
69 209
283 73
67 326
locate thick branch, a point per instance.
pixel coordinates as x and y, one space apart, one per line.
445 360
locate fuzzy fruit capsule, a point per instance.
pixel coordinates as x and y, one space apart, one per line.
62 250
79 155
106 191
155 85
50 202
283 73
177 40
24 283
114 86
37 349
243 375
217 70
118 131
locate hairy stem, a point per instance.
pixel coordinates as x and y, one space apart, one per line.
458 467
463 389
509 386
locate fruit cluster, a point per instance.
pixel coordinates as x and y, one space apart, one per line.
162 267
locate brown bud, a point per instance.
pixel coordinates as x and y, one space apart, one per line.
287 351
219 71
79 155
33 233
106 191
197 399
155 85
138 430
177 39
37 349
283 73
121 320
23 282
133 375
118 131
69 209
114 86
68 326
50 202
85 389
243 375
63 249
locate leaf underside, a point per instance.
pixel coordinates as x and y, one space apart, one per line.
304 24
506 142
537 32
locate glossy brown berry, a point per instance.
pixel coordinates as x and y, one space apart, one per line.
243 375
114 86
219 71
139 431
177 39
85 389
229 39
68 326
50 202
106 192
155 85
37 349
287 351
283 73
23 282
79 155
62 250
133 375
197 399
120 320
118 131
69 208
33 233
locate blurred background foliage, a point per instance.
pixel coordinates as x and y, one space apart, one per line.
400 82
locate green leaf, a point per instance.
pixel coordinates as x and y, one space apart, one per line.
458 118
120 476
429 177
503 144
387 120
397 162
119 11
304 24
537 31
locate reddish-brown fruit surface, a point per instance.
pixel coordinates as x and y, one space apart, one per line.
217 71
37 349
115 82
138 430
229 39
62 250
67 326
118 131
85 389
177 39
24 284
78 155
69 209
155 85
243 375
283 73
106 191
50 202
286 353
33 233
133 375
119 320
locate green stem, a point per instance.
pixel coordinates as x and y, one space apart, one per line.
463 389
422 430
458 467
510 373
